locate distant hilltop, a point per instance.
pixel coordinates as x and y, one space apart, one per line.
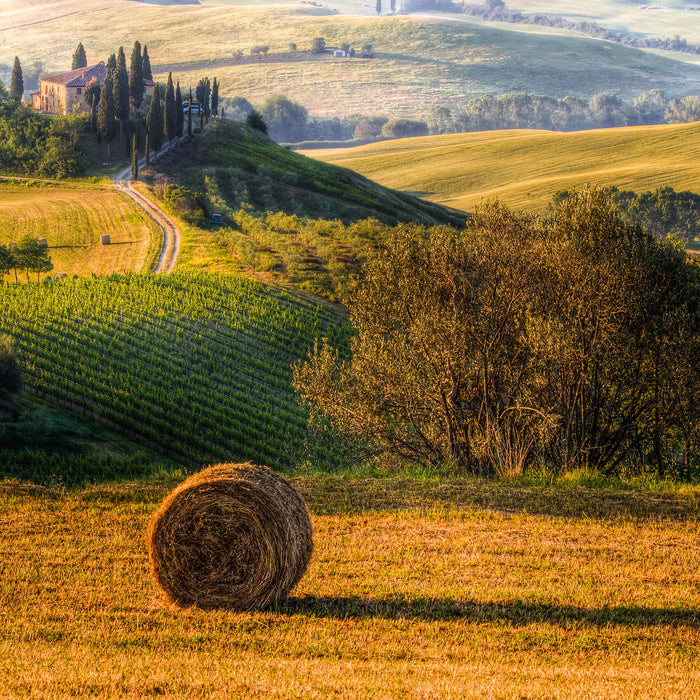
170 2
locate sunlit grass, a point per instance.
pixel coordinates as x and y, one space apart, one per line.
525 168
420 61
416 589
72 218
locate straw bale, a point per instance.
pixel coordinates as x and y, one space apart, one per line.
105 239
232 535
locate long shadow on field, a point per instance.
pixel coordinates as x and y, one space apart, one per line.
517 613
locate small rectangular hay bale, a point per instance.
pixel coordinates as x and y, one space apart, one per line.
104 238
42 241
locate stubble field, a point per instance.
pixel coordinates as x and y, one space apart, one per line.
416 590
72 218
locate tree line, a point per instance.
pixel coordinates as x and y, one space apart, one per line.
26 255
290 122
144 122
519 344
49 145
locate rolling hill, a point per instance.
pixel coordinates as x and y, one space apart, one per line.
193 366
525 168
419 61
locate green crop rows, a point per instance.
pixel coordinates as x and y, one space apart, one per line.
197 365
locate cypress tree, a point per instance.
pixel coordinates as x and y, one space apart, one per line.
121 93
146 65
79 57
189 116
106 113
134 159
136 77
215 97
112 62
170 116
148 150
92 97
17 81
155 121
180 112
379 7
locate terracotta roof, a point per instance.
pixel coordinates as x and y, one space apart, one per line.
79 77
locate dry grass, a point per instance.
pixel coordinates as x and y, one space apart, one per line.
420 60
413 592
72 218
525 168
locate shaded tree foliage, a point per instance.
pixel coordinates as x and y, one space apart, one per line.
404 128
36 144
146 65
256 121
170 112
286 120
520 342
106 111
31 256
155 121
122 104
10 373
663 212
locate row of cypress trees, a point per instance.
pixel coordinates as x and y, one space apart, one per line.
118 105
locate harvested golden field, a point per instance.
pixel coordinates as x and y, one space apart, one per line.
525 168
416 590
72 218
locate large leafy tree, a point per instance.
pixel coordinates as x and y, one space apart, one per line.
570 341
136 77
79 57
16 81
32 256
286 120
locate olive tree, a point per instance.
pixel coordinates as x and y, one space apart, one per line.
562 342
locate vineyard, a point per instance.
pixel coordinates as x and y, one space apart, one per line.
196 366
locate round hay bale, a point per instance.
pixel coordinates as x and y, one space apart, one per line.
232 535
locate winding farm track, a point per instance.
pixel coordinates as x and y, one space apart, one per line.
171 232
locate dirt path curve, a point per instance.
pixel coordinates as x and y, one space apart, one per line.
171 232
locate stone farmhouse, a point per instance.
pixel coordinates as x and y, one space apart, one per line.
64 93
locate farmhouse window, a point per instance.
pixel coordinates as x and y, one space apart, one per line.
80 91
